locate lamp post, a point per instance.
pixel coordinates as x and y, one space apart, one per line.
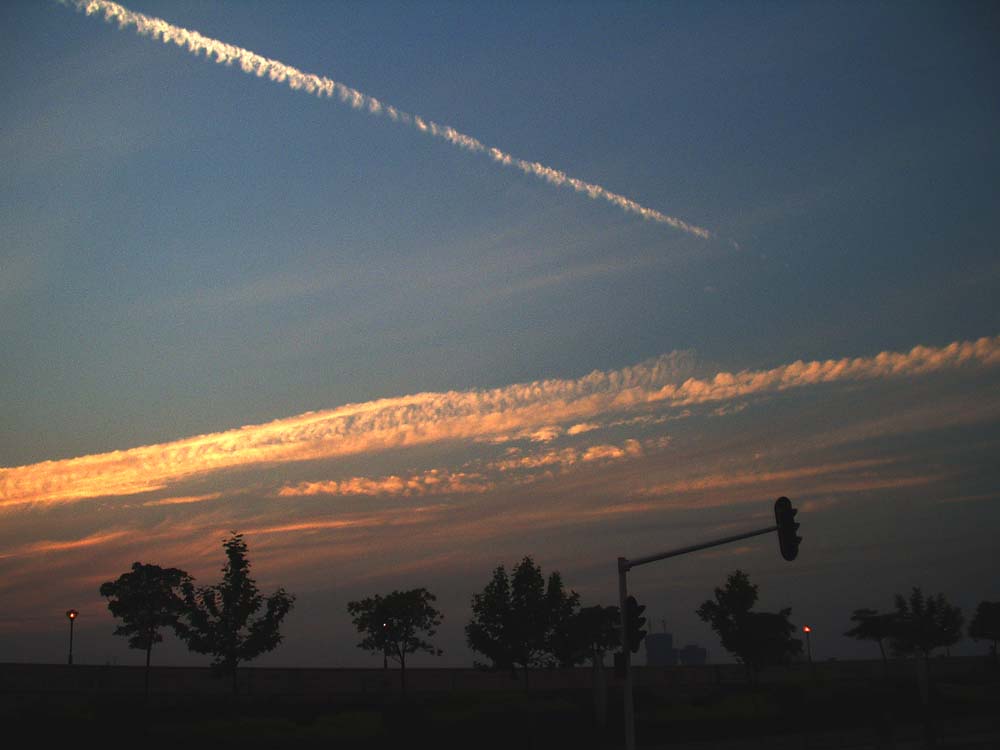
71 614
809 653
385 646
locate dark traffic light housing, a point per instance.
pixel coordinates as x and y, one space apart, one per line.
784 516
633 623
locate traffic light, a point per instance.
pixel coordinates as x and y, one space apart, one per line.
784 516
633 623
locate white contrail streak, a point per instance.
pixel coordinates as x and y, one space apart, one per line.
277 71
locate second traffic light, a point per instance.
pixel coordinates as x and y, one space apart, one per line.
633 623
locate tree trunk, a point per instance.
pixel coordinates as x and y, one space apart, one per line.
149 651
924 680
600 689
885 661
402 674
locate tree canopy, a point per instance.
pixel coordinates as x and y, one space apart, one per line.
757 639
873 626
924 623
514 618
587 634
222 620
397 624
985 625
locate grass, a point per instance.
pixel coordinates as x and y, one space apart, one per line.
498 719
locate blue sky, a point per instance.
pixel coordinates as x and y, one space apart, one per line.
188 250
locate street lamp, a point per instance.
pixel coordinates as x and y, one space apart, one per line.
72 614
807 630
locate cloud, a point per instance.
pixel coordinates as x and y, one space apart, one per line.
432 482
49 545
453 416
563 458
182 500
820 479
979 497
920 360
278 72
730 479
604 452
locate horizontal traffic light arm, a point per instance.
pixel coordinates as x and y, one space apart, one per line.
624 564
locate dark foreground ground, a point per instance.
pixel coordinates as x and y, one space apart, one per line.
809 712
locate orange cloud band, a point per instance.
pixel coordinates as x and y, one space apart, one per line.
426 418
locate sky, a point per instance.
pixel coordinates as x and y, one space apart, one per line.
407 291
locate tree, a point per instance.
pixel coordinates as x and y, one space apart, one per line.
219 620
757 639
586 634
985 625
394 625
872 626
514 619
923 624
145 599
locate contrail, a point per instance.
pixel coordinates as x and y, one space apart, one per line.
322 86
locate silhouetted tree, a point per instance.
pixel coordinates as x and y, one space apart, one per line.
513 619
922 624
757 639
219 620
394 625
587 634
985 626
872 626
145 599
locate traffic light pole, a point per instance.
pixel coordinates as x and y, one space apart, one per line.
624 566
629 564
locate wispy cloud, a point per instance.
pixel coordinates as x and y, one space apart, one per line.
567 457
279 72
398 517
432 482
971 498
838 478
182 500
50 545
456 416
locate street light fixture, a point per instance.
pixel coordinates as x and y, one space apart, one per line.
71 614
